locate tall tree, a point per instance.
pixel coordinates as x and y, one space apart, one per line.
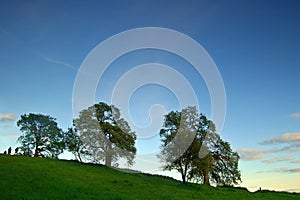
105 135
41 136
206 157
177 136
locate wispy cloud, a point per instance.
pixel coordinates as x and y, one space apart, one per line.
59 62
288 143
254 154
285 138
291 148
7 117
295 161
281 170
295 115
257 154
294 170
12 137
275 160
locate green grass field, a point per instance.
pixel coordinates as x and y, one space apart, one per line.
40 178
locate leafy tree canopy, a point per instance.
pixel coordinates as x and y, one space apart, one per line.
41 136
105 135
191 146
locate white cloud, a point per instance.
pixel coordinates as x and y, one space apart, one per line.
7 117
285 138
295 115
254 154
281 170
275 160
291 148
288 137
289 144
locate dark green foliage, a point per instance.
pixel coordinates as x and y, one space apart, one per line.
41 137
74 144
177 137
225 168
191 146
40 178
105 135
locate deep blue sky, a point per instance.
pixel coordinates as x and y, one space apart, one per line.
255 45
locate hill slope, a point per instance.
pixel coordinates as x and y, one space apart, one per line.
39 178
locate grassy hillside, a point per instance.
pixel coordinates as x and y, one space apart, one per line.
39 178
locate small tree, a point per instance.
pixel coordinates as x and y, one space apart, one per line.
225 166
105 135
41 137
74 144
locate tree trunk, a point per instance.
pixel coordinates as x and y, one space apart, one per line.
108 160
79 157
206 178
183 178
108 156
36 151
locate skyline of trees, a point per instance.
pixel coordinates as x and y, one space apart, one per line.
190 144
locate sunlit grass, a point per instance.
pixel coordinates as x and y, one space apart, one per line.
40 178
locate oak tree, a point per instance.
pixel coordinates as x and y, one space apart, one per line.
41 136
191 146
105 135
